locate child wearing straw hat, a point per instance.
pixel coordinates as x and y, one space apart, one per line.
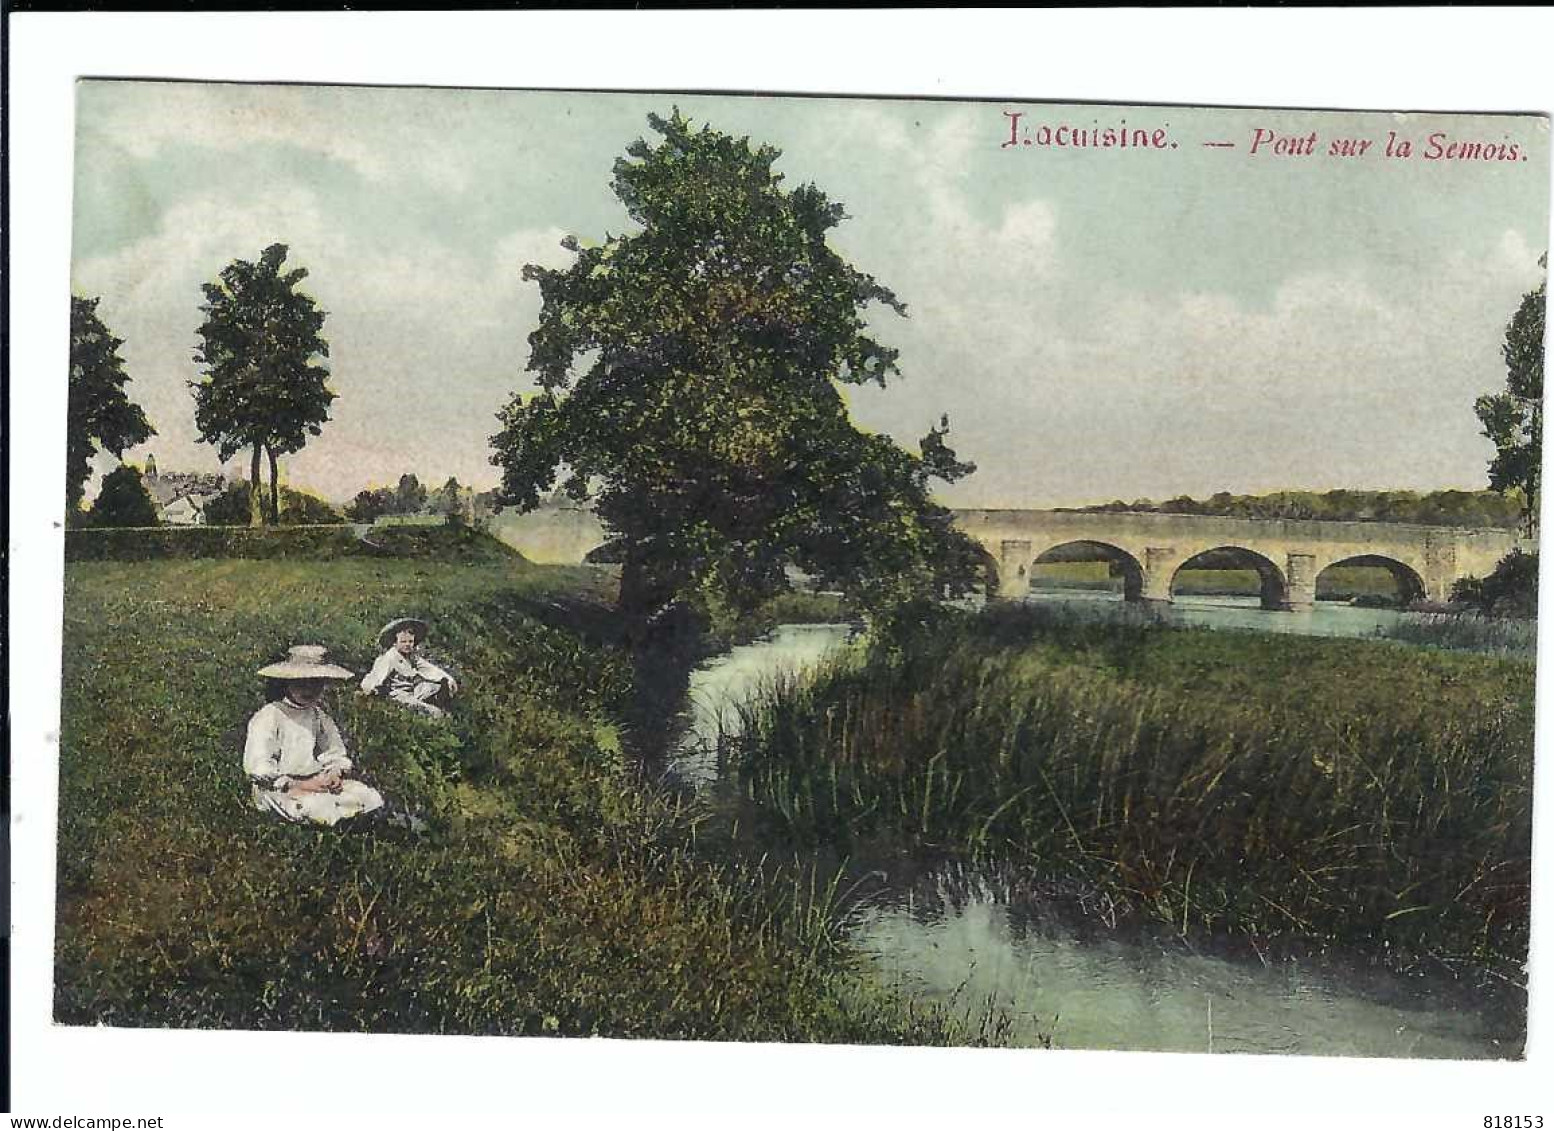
294 755
408 676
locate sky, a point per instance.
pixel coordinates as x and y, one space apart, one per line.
1097 323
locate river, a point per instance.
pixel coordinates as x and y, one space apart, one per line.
1327 618
971 939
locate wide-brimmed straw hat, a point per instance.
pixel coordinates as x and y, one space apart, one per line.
305 661
387 633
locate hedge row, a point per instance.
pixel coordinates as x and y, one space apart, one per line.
319 543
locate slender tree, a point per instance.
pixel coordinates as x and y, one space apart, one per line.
448 496
262 386
1513 420
101 415
410 497
691 380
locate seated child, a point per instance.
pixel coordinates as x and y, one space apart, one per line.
408 676
294 755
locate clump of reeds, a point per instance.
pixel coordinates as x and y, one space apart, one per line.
1325 789
1467 632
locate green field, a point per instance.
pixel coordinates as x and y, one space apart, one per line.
553 894
1312 790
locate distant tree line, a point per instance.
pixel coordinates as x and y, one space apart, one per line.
408 498
1433 508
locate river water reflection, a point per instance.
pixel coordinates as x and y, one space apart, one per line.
967 941
1327 618
1098 990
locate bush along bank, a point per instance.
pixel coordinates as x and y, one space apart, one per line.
550 896
1298 790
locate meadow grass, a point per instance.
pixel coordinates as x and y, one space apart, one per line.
1298 789
552 895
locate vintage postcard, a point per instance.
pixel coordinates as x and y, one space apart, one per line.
816 570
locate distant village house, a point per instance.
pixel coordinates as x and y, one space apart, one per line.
181 497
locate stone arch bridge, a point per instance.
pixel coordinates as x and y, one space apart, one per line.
1288 554
1149 549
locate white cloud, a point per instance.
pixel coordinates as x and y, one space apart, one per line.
1195 392
364 130
426 341
147 119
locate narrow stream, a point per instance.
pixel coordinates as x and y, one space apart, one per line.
971 939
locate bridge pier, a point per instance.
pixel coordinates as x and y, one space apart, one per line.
1159 568
1014 562
1440 569
1300 585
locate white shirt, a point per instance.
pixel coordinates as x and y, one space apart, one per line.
402 672
287 741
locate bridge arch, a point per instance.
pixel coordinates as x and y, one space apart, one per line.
1409 585
987 569
1274 589
1119 561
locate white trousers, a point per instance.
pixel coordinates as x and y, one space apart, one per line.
417 698
353 799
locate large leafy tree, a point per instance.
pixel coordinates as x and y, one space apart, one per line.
101 415
262 386
690 381
1513 420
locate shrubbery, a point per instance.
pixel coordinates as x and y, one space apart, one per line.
298 508
123 500
1510 591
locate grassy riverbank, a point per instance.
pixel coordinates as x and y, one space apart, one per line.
552 895
1303 789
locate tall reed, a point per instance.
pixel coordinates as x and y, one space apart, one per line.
1320 789
1468 632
